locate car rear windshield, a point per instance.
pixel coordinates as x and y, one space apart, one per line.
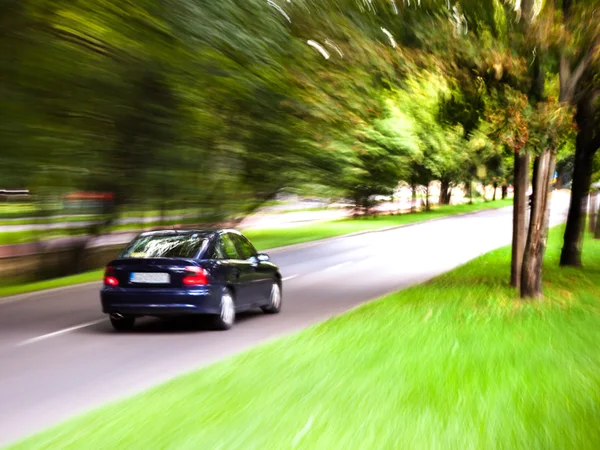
171 246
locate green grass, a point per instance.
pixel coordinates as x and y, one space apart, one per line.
273 203
33 221
95 275
457 363
73 218
10 209
314 209
22 237
272 238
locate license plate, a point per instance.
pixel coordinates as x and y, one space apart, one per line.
153 278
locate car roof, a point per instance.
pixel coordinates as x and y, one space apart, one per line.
204 233
186 232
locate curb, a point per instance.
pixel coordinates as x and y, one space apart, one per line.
17 297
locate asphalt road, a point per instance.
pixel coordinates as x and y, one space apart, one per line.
59 356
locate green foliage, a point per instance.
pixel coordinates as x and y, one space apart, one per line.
222 105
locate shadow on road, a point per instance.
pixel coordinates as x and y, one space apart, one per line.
171 325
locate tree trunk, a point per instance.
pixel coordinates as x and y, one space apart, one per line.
582 178
356 211
504 191
427 206
469 189
521 170
495 189
413 205
534 180
445 192
537 236
559 179
593 211
597 234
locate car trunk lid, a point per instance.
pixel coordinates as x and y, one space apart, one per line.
151 272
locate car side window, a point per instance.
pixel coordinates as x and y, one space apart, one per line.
246 249
218 250
229 247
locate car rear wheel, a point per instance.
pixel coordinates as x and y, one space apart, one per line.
226 317
275 300
121 323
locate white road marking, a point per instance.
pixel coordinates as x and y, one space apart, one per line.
338 266
291 277
59 332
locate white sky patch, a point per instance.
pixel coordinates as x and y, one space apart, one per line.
460 21
537 9
517 5
388 34
518 9
331 44
278 8
319 47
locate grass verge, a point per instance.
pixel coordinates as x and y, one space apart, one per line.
267 239
86 277
22 237
458 362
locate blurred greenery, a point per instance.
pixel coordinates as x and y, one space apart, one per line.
218 107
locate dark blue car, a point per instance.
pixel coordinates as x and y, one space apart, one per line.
166 273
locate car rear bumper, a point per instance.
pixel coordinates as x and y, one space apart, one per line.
160 302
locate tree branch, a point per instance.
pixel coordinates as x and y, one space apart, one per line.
568 79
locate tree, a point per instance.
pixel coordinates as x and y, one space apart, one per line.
552 123
579 41
508 115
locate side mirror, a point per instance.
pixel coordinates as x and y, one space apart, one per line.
262 257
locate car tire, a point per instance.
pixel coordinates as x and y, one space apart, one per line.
122 324
226 317
275 299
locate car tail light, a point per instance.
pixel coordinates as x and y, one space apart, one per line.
197 277
109 277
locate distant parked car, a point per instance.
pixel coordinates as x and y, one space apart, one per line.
169 273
